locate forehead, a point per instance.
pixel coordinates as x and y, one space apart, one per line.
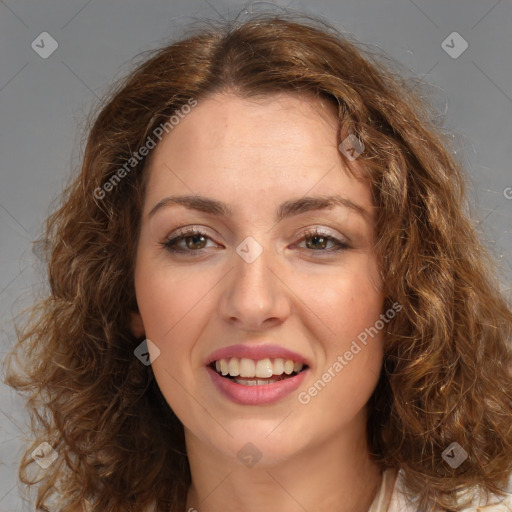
278 144
227 120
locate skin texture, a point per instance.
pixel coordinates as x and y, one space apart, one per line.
254 154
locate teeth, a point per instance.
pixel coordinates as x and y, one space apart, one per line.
247 368
263 368
255 382
224 367
233 367
278 367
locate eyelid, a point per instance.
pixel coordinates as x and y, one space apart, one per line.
319 230
340 242
188 230
170 242
311 231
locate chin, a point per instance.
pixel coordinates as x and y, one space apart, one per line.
260 444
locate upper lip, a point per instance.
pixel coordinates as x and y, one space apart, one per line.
255 352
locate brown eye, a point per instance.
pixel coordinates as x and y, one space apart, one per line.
194 239
318 241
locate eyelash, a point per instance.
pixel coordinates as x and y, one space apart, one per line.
171 245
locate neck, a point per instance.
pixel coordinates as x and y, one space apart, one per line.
335 475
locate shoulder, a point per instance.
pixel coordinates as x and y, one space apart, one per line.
478 503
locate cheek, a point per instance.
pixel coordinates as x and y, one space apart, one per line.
167 299
169 303
350 302
352 306
175 307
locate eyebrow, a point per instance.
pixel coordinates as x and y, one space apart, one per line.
286 209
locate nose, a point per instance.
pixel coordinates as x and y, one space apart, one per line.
255 296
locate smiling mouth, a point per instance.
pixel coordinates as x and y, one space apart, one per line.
250 372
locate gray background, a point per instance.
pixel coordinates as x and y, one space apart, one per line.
43 104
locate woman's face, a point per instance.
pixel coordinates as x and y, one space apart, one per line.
273 276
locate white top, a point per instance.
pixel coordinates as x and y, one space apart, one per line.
390 497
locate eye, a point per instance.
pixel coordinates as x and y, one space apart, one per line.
195 240
318 241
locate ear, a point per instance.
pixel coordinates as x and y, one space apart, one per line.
137 325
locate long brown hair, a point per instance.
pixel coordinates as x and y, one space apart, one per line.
446 375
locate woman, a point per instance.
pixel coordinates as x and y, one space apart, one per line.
266 295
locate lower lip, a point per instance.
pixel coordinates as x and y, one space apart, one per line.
256 395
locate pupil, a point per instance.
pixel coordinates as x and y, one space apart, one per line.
318 238
194 240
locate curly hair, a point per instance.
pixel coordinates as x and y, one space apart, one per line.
447 369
